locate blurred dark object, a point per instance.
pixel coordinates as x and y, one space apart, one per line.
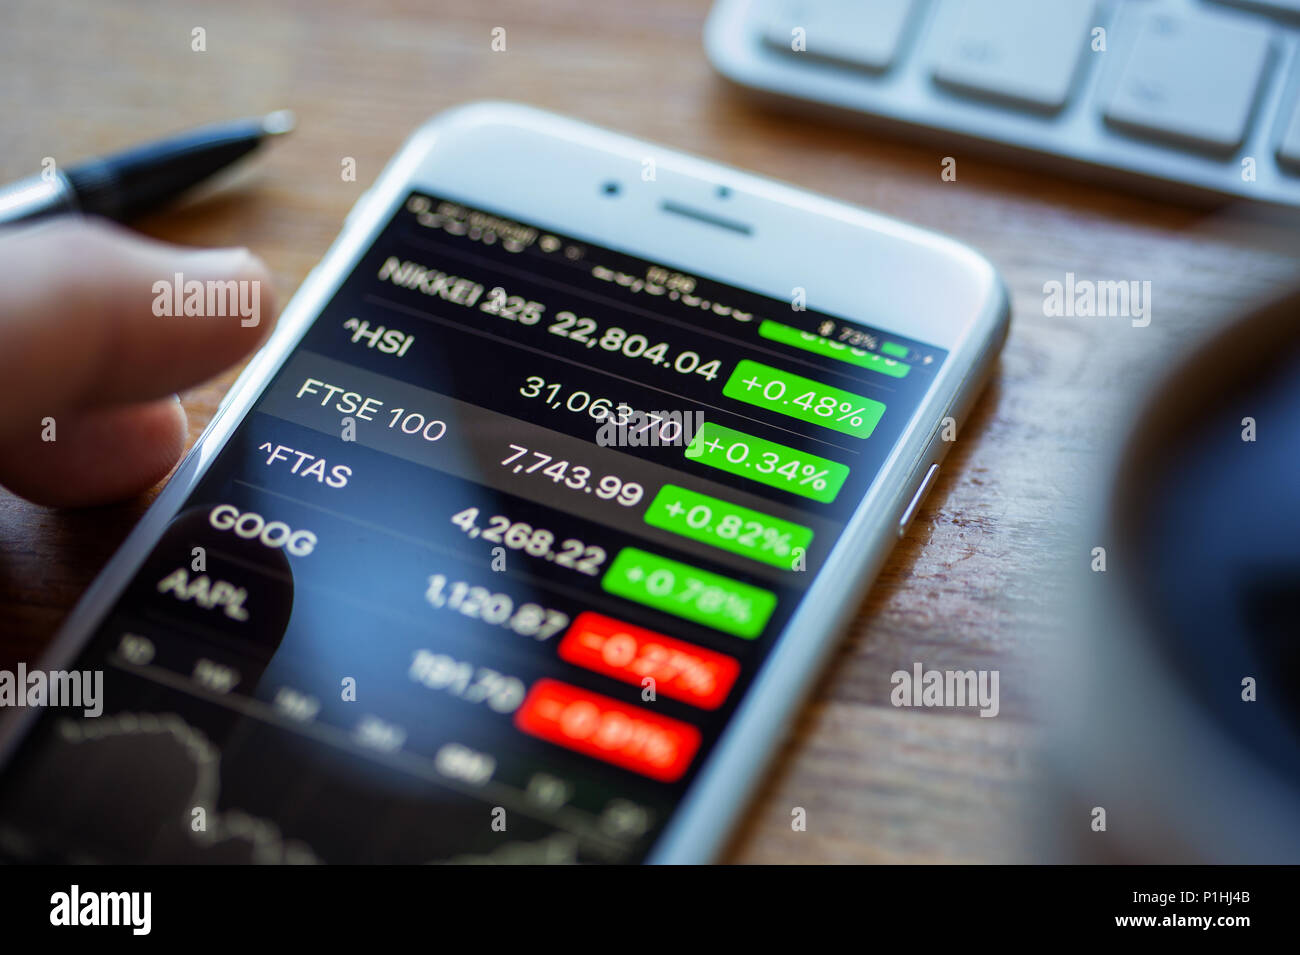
1180 712
1210 503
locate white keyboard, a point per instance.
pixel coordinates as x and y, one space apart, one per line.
1198 96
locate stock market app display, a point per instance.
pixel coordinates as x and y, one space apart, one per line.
484 572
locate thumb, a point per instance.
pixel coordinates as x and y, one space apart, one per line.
78 323
83 346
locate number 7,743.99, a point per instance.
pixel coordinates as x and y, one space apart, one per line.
574 476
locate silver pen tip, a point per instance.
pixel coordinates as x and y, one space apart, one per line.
279 122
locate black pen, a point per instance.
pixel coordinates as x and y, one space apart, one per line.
138 180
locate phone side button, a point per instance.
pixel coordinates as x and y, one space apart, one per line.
915 504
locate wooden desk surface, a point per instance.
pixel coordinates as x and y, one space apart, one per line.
970 587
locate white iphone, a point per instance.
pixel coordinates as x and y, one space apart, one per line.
528 529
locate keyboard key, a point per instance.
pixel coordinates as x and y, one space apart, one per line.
1192 80
861 33
1025 52
1287 8
1288 150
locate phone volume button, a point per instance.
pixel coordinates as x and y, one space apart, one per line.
918 497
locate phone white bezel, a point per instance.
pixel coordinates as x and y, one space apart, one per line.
549 171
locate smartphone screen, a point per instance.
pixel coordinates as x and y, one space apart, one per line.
485 571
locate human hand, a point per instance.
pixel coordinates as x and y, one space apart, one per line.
80 344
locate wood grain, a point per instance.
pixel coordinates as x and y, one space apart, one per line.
972 586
